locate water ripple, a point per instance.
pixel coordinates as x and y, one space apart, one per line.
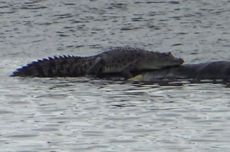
83 114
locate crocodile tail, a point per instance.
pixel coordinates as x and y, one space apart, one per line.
62 66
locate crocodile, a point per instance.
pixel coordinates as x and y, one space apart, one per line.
215 71
118 60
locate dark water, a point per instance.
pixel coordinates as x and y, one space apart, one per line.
78 114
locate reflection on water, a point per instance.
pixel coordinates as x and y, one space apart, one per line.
84 114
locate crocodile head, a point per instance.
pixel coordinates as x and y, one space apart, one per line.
156 60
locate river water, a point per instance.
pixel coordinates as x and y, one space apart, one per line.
81 114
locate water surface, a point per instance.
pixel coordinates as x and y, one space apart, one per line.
81 114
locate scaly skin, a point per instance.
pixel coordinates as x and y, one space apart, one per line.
62 66
124 61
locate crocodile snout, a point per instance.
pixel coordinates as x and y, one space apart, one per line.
180 60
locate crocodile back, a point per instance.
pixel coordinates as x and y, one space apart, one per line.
119 58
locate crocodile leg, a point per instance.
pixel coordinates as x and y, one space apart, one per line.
127 70
97 68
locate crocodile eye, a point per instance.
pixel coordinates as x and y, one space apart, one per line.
169 53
